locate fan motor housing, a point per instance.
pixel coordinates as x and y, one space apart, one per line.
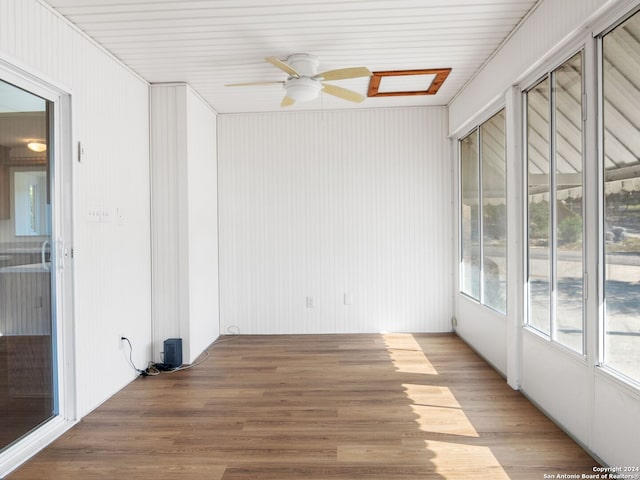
304 63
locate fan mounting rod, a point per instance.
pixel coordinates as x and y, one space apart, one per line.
303 63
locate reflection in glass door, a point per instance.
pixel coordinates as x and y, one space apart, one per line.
27 367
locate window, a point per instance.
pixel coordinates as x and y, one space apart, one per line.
483 214
554 146
469 215
620 66
29 199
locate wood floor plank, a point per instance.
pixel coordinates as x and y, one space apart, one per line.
330 407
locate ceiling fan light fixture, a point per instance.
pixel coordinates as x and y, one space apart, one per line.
302 89
37 146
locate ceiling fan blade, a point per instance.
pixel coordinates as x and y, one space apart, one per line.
343 93
344 73
252 83
276 62
287 101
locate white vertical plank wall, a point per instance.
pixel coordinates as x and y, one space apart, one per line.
335 221
184 220
112 258
202 197
168 152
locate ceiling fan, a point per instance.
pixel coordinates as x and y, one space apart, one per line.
304 83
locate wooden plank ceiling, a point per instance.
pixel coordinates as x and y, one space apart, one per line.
209 43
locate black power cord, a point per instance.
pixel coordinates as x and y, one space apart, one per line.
141 372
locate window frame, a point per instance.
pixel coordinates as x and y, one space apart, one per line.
609 24
548 72
477 129
461 216
62 153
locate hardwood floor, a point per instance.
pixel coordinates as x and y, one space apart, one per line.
330 407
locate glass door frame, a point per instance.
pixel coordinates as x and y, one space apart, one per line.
62 303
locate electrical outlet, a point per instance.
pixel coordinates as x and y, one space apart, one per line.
309 302
121 341
348 298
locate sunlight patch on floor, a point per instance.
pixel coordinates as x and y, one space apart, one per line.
406 355
437 410
450 421
385 454
453 461
433 395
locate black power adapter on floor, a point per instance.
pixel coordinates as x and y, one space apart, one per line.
172 354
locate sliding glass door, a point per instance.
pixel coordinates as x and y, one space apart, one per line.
28 394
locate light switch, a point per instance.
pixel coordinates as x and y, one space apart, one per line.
93 215
80 152
120 216
105 215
